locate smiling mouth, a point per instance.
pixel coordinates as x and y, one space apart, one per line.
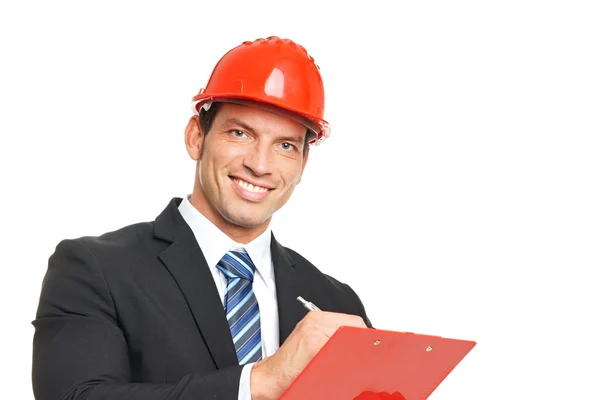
249 187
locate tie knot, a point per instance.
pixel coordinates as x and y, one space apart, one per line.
237 264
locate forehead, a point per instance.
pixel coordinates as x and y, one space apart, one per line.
257 118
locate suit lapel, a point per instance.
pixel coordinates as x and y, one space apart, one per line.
289 285
186 263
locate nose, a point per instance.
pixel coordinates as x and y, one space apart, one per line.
258 159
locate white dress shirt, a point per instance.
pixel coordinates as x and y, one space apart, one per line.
214 245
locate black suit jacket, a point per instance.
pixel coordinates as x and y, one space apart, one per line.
135 314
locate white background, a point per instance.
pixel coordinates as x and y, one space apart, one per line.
458 195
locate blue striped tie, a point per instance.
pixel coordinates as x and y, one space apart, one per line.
241 306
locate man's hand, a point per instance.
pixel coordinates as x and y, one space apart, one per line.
273 375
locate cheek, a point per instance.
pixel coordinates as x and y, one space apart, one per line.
292 174
226 156
217 168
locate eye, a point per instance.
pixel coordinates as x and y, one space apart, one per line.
287 146
238 133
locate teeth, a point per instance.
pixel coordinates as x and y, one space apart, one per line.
250 187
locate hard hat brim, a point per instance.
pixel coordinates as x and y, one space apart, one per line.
319 127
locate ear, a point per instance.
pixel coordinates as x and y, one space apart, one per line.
194 137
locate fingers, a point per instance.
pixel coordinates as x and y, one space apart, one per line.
327 323
309 336
337 319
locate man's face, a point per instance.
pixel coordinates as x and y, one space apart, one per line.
250 162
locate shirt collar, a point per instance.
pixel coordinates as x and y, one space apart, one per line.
215 244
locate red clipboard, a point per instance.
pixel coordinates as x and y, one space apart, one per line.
359 360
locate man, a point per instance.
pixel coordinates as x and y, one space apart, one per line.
202 302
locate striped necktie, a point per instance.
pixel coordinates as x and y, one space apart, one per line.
241 306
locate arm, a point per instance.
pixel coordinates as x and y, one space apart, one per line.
79 351
354 298
361 307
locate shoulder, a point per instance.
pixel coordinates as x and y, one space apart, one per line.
105 249
130 236
126 236
304 266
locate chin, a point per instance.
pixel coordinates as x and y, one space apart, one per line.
247 221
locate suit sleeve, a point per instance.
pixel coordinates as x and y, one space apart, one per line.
79 351
360 305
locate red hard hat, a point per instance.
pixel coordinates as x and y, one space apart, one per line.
271 72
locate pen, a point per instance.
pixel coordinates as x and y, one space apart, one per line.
308 305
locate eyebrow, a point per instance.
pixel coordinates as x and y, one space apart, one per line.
243 125
240 123
293 139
